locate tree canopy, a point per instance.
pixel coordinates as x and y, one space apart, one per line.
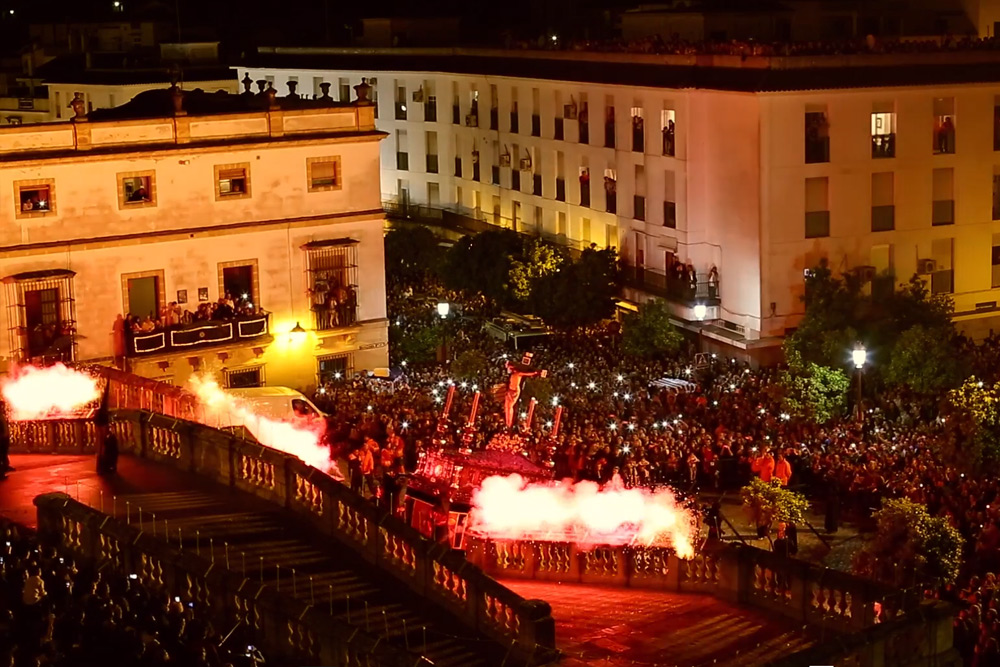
839 313
412 254
649 333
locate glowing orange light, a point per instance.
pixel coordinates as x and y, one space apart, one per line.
582 513
52 392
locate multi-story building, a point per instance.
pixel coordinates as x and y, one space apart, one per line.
884 164
122 228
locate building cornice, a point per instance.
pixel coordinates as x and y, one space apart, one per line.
185 234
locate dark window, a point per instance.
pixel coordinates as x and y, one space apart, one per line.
494 119
817 224
558 132
475 170
495 169
883 218
431 109
639 204
515 180
670 214
432 164
536 125
817 137
456 115
458 167
943 212
41 315
400 111
536 185
402 161
245 378
513 122
334 368
560 189
238 283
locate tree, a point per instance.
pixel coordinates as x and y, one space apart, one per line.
412 254
978 426
815 392
481 263
581 293
911 547
649 332
537 261
416 344
839 314
767 502
470 364
925 360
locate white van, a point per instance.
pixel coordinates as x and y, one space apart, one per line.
279 403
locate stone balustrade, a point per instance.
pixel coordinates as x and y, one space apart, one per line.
70 436
282 625
439 575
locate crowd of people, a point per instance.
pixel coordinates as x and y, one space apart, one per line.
658 45
57 613
721 425
173 314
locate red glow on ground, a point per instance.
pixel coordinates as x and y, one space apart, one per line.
53 392
506 508
301 439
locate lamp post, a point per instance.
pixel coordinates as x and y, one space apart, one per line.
859 355
443 308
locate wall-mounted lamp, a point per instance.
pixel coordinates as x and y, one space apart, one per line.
195 362
223 356
164 365
258 352
700 310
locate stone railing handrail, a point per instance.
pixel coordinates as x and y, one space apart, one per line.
722 60
128 134
800 591
439 575
284 625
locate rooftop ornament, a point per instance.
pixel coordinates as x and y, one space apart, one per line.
363 90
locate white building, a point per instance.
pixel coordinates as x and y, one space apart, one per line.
506 136
142 207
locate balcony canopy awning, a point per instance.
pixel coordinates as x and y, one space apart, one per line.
31 276
329 243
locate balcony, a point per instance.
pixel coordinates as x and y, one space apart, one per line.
638 140
883 145
668 287
883 218
199 335
817 150
585 193
584 132
670 214
430 112
817 224
609 135
611 202
943 212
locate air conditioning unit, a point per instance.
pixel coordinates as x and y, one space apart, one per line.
569 111
526 164
926 267
505 160
471 120
865 273
418 95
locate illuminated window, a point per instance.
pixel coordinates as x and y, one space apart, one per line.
34 198
232 181
136 189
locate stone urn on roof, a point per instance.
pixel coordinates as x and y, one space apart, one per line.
363 90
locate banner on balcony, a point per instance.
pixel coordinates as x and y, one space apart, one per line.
251 328
216 332
149 342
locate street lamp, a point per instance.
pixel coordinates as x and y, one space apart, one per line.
859 356
443 308
700 310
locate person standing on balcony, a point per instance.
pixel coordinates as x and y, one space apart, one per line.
713 282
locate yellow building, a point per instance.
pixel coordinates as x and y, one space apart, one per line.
160 208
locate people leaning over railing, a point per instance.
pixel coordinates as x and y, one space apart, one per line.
173 316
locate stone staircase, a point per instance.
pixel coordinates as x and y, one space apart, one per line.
264 544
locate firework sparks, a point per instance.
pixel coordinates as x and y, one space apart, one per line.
301 439
53 392
582 513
